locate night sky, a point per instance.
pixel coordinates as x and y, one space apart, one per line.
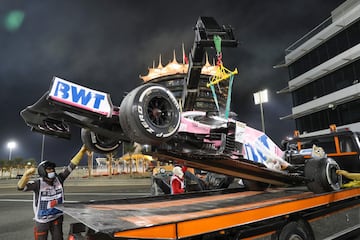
107 44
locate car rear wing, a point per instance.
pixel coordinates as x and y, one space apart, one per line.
64 103
68 93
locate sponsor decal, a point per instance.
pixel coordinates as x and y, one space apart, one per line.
258 147
82 97
143 121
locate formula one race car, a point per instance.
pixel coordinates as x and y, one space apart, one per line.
150 114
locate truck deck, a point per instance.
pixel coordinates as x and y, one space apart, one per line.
192 214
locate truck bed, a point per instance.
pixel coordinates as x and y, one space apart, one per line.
192 214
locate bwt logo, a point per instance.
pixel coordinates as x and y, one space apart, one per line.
78 94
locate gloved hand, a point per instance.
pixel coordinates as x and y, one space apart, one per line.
25 178
77 158
30 171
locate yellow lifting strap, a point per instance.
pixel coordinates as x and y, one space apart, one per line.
222 73
354 183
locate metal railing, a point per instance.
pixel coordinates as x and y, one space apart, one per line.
309 35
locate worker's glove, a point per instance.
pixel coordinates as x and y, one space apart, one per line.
77 158
25 178
30 171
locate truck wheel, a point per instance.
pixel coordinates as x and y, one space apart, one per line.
150 114
322 176
252 185
98 143
296 230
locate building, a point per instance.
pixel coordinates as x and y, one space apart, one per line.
173 75
324 70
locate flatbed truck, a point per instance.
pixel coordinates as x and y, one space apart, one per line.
233 214
291 213
281 213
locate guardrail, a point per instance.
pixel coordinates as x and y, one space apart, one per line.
309 35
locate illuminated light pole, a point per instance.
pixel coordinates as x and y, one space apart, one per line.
11 145
260 98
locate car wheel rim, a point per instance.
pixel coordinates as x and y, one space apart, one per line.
158 111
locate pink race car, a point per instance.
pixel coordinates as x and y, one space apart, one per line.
150 115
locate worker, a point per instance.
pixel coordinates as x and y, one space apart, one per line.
177 181
48 192
355 177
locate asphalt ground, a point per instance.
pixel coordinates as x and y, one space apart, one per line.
16 212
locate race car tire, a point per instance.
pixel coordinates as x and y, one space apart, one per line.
150 114
299 230
98 143
321 175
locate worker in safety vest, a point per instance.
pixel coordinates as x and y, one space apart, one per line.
48 192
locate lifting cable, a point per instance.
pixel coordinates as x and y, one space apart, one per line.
222 73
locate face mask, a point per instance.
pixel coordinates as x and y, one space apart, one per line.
51 175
